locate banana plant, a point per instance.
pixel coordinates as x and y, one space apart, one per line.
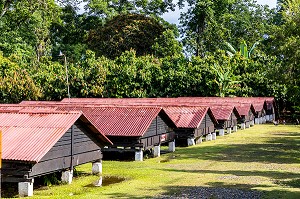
224 78
243 49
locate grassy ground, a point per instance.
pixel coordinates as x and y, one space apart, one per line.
264 158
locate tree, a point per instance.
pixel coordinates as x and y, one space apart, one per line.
25 28
15 83
207 24
285 45
70 32
109 9
166 45
125 32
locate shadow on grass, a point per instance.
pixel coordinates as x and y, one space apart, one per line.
108 180
281 149
270 174
294 183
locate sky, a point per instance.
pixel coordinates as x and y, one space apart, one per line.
172 17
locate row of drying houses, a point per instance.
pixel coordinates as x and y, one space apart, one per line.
43 137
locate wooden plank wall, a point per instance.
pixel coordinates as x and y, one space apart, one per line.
59 157
207 125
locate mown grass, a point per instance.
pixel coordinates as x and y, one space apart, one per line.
264 158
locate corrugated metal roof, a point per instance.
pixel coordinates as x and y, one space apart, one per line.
222 112
186 117
119 121
29 133
29 136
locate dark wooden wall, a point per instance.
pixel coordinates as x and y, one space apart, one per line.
157 133
60 156
231 122
207 125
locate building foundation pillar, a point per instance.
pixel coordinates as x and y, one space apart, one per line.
248 124
156 152
221 132
235 128
25 188
208 137
191 141
98 183
199 140
214 136
229 130
138 155
97 167
67 176
172 146
243 126
256 120
268 118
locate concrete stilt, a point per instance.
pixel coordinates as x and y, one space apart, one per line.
67 176
243 126
191 141
25 188
248 124
199 140
251 122
260 120
214 136
229 130
256 120
268 118
98 183
208 137
264 119
221 132
139 155
172 146
97 167
156 152
235 128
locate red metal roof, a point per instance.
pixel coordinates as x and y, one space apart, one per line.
119 121
222 112
29 136
186 117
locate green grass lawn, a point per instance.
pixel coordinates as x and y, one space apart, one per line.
264 158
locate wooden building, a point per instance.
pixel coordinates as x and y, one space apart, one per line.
192 123
227 117
130 128
36 143
270 107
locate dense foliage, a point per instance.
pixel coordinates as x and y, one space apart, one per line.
125 49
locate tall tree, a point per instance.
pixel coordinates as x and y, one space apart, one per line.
111 8
207 24
25 28
125 32
70 32
286 42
